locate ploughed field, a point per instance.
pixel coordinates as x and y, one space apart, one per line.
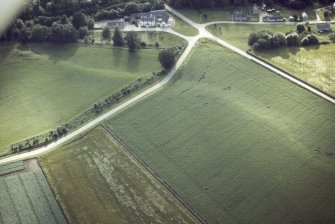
26 197
97 181
237 142
44 85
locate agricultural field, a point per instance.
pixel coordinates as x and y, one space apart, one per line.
45 85
98 181
314 65
237 142
27 198
184 28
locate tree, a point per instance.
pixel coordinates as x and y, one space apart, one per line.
63 33
106 33
90 24
79 20
83 32
292 39
300 28
40 33
167 58
117 38
326 14
131 8
133 41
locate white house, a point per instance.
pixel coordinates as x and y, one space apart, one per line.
304 17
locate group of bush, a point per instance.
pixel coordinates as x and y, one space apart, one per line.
264 40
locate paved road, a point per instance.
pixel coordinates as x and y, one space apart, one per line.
203 33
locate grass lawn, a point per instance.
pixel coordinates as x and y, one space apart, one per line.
98 181
238 34
314 65
165 40
239 143
184 28
212 14
44 85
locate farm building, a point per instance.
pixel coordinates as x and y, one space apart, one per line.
304 17
239 16
115 23
151 19
323 27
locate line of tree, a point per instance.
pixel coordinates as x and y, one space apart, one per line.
264 40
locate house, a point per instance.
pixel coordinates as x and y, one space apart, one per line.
323 27
151 19
239 16
304 17
271 18
115 23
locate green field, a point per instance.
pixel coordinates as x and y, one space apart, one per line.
238 34
239 143
184 28
27 198
314 65
215 14
44 85
165 40
98 181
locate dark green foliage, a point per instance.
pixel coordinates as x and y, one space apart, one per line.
79 20
61 33
266 40
106 33
117 38
309 40
167 58
292 39
83 31
90 24
40 33
133 41
300 28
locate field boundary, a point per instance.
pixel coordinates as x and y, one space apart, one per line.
289 74
161 181
53 192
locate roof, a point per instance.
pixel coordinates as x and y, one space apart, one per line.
323 26
304 14
160 15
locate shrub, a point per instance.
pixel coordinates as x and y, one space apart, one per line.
292 39
106 33
83 31
167 58
300 28
40 33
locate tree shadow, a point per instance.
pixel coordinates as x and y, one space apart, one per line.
117 55
284 52
133 61
6 49
55 52
312 47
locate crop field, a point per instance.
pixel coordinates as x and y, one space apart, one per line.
26 198
98 181
44 85
237 142
184 28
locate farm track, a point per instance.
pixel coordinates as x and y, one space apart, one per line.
203 33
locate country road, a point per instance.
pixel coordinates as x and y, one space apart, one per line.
203 33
